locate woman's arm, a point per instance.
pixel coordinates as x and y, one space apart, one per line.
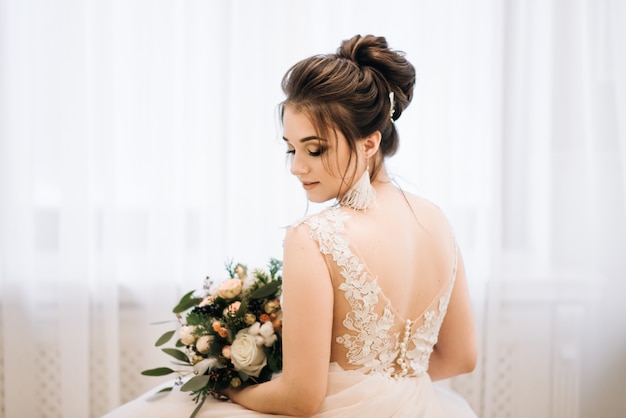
307 328
456 350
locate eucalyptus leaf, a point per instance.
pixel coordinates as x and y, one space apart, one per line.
186 302
164 338
195 383
166 321
265 291
159 371
177 354
160 394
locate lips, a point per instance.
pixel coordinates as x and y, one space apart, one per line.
308 185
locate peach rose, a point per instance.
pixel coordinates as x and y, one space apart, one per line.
230 288
226 351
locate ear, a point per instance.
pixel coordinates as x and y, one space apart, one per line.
371 144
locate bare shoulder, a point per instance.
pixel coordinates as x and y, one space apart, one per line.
429 214
298 235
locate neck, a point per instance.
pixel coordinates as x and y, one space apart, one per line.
381 177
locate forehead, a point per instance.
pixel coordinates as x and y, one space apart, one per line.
296 124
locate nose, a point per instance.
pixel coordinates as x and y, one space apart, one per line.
298 166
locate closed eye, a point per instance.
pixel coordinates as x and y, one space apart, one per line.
317 152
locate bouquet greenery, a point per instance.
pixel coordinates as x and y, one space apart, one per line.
229 335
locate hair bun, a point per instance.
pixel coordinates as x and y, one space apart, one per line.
373 52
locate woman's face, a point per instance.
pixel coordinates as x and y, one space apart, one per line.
323 165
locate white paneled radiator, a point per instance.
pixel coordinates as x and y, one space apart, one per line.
533 347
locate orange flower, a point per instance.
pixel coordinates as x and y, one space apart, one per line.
264 318
278 324
223 332
216 326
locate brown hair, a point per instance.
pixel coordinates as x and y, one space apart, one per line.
349 91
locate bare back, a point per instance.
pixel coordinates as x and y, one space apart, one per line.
393 268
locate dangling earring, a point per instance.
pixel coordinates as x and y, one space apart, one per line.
361 195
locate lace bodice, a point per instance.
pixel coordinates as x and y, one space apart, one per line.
373 334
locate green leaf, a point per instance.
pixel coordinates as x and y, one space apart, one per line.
186 302
195 383
177 354
164 338
230 269
159 371
265 291
167 321
160 394
243 308
275 265
195 411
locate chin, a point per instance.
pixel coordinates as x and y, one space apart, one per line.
314 199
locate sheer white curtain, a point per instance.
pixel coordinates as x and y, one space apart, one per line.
139 151
561 198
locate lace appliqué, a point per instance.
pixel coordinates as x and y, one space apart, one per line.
426 336
371 344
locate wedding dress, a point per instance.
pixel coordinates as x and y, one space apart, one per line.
379 359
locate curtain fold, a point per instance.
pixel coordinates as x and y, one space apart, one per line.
140 151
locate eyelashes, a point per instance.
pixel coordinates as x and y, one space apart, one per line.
312 153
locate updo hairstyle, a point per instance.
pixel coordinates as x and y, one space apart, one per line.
349 91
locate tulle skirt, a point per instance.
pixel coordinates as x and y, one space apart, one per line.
350 394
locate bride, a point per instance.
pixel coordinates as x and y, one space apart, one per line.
375 299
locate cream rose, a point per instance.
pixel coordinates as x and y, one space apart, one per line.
246 355
186 334
203 343
230 288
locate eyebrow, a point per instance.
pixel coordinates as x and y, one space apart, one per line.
307 138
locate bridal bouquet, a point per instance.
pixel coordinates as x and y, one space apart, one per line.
229 334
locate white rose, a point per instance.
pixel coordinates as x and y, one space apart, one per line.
203 343
247 356
186 334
